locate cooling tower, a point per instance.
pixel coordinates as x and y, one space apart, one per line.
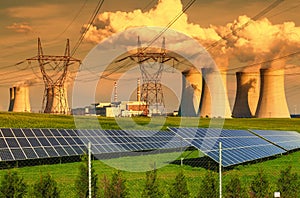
11 98
247 94
57 101
20 97
272 102
214 100
191 93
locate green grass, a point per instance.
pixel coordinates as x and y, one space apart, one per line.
35 120
65 174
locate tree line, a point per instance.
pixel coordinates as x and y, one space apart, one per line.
288 184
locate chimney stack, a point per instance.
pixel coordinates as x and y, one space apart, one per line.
138 90
115 92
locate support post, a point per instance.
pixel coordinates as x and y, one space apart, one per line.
90 169
220 169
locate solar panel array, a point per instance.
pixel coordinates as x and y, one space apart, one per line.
238 146
22 144
289 140
108 141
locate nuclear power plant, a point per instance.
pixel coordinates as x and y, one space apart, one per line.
191 93
19 99
214 98
247 94
272 101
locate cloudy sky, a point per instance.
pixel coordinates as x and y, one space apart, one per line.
272 36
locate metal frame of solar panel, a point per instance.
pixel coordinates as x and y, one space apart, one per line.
238 146
288 140
23 144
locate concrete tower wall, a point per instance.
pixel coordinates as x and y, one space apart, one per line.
21 101
214 99
247 94
11 98
272 102
191 93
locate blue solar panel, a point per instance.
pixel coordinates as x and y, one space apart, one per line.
238 146
22 144
288 140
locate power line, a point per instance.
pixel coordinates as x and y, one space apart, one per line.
93 16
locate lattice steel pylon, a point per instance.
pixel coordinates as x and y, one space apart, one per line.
151 63
54 70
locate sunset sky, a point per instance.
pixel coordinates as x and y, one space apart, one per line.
274 35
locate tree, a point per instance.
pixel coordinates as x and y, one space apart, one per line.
12 185
151 186
234 188
209 186
179 188
82 181
116 188
46 187
288 183
260 186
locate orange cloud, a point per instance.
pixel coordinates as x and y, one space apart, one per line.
20 27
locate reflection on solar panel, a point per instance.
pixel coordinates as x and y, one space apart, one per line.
238 146
108 141
288 140
22 144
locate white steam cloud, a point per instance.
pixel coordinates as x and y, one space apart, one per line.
259 41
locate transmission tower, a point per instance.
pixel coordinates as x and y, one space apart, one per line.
54 70
151 63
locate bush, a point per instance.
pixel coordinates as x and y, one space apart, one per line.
46 187
209 186
12 185
82 181
116 188
234 188
260 186
151 186
179 188
288 183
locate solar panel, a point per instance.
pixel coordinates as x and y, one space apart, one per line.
288 140
107 141
238 146
22 144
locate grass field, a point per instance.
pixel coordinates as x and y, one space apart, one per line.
65 174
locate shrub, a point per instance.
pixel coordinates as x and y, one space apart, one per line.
260 186
288 183
234 188
12 185
82 181
151 186
209 186
116 188
179 188
45 187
